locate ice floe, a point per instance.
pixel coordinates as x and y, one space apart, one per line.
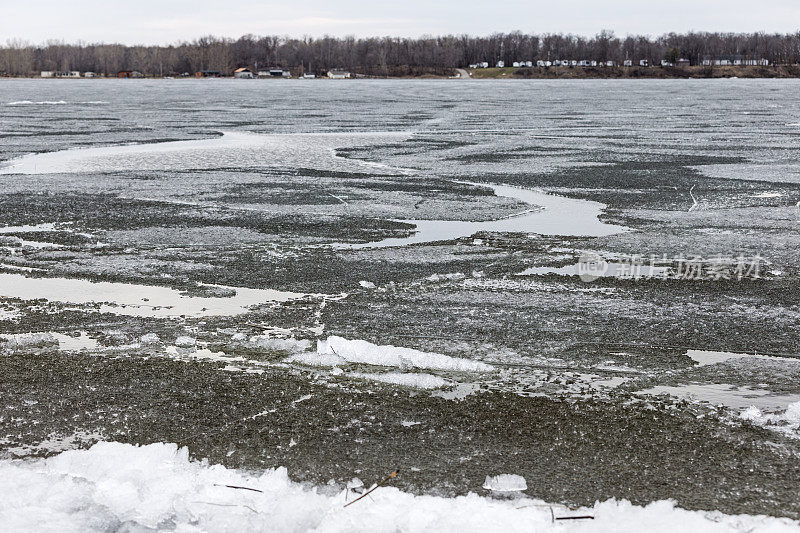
405 379
138 300
787 422
231 149
276 344
114 486
711 357
505 483
725 394
359 351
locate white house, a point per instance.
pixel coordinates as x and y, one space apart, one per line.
501 64
583 63
74 74
89 75
338 74
47 74
665 63
627 63
515 64
309 76
644 63
610 64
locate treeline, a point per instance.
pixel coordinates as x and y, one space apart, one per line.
382 56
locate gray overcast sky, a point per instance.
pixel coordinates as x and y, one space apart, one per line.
168 21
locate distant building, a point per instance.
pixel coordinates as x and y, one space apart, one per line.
627 63
277 73
529 63
611 64
243 73
48 74
583 63
89 75
208 74
665 63
682 62
644 63
309 76
515 64
73 74
501 64
338 74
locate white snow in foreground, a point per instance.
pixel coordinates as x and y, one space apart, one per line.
115 486
787 422
358 351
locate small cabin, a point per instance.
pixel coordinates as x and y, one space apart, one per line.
644 63
243 73
208 74
48 74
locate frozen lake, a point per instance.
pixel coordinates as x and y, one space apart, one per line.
385 270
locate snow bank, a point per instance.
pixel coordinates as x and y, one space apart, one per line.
358 351
114 486
787 422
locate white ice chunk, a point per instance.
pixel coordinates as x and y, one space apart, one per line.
505 483
359 351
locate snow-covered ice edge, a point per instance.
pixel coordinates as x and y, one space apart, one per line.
114 485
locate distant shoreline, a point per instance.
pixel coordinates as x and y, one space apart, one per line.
692 72
553 73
